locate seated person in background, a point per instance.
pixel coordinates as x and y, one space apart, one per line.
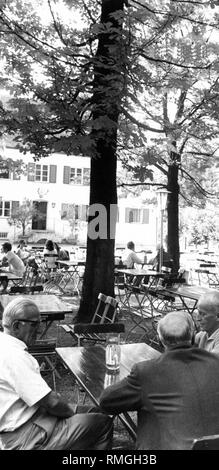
129 257
176 395
166 260
16 265
62 254
208 319
32 416
22 251
50 255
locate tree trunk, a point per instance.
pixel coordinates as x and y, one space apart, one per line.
107 94
173 211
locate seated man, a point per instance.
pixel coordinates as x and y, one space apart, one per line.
22 251
129 256
32 416
176 395
161 255
16 265
208 319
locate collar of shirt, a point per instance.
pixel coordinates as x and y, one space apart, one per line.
214 334
13 341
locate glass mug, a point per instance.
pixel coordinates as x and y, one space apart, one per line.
113 352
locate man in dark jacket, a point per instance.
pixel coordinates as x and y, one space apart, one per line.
176 395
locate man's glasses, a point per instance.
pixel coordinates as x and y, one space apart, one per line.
32 322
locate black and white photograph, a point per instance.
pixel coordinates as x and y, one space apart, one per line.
109 231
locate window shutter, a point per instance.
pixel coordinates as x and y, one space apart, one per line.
145 216
31 172
64 211
52 173
127 210
66 175
84 212
14 206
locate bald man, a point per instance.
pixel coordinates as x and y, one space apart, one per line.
176 395
208 320
32 416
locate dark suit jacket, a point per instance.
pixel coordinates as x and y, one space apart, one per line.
176 397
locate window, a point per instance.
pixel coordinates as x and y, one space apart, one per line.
136 216
132 215
74 212
41 173
76 175
4 171
5 208
3 234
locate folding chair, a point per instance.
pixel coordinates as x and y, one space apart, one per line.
103 321
207 278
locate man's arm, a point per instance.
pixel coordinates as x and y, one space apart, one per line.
123 396
56 406
136 259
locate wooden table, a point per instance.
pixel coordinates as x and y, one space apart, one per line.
186 293
50 306
10 276
87 364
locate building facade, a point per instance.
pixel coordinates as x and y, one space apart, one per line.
58 186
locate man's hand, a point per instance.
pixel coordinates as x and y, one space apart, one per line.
55 405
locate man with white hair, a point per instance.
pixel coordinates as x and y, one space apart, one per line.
176 395
32 416
208 320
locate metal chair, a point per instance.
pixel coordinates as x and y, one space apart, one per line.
103 321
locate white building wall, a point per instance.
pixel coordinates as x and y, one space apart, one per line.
56 194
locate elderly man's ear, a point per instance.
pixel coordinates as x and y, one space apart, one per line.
16 326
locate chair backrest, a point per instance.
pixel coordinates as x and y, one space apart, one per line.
30 276
206 443
100 308
110 311
51 260
106 309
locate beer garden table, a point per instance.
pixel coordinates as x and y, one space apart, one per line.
87 365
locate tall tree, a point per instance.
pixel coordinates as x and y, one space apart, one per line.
108 88
69 84
74 85
175 123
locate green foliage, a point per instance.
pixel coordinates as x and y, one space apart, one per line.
199 226
22 215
